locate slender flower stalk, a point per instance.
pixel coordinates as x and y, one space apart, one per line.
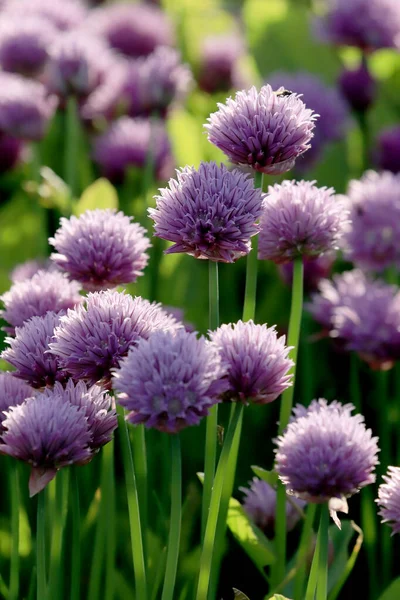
176 517
58 525
278 569
208 547
210 455
71 152
322 584
76 536
139 452
133 508
108 518
15 507
41 546
304 547
385 445
249 307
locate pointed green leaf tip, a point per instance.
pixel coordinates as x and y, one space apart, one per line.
100 194
392 592
269 476
239 595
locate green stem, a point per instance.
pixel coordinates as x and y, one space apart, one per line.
210 455
278 569
302 553
140 462
249 306
355 396
76 537
109 510
175 523
15 507
41 547
385 460
323 534
133 509
209 543
71 152
58 525
313 576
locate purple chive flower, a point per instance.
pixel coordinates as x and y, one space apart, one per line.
45 292
28 351
169 381
101 249
326 102
372 241
11 150
366 24
209 213
63 14
24 44
133 30
153 83
78 64
300 219
219 68
25 107
13 391
262 130
128 143
388 151
326 453
389 499
315 269
358 87
29 268
257 361
92 339
48 433
260 504
97 404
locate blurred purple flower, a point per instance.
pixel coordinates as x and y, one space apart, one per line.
358 87
366 24
25 107
132 29
300 219
326 102
209 213
129 143
315 269
179 315
78 64
264 130
11 150
13 391
97 404
28 269
153 83
219 69
260 505
24 44
169 381
92 339
44 292
326 453
388 150
48 433
372 240
28 351
389 499
63 14
257 360
101 249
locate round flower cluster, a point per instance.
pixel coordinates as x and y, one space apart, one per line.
389 499
388 151
358 87
372 240
219 63
209 213
300 219
256 359
101 249
264 130
170 381
13 391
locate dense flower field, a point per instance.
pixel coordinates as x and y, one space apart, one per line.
200 303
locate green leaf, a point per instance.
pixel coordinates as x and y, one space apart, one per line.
392 592
279 597
101 194
253 541
239 595
269 476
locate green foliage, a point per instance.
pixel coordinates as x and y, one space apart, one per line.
392 592
100 194
269 476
